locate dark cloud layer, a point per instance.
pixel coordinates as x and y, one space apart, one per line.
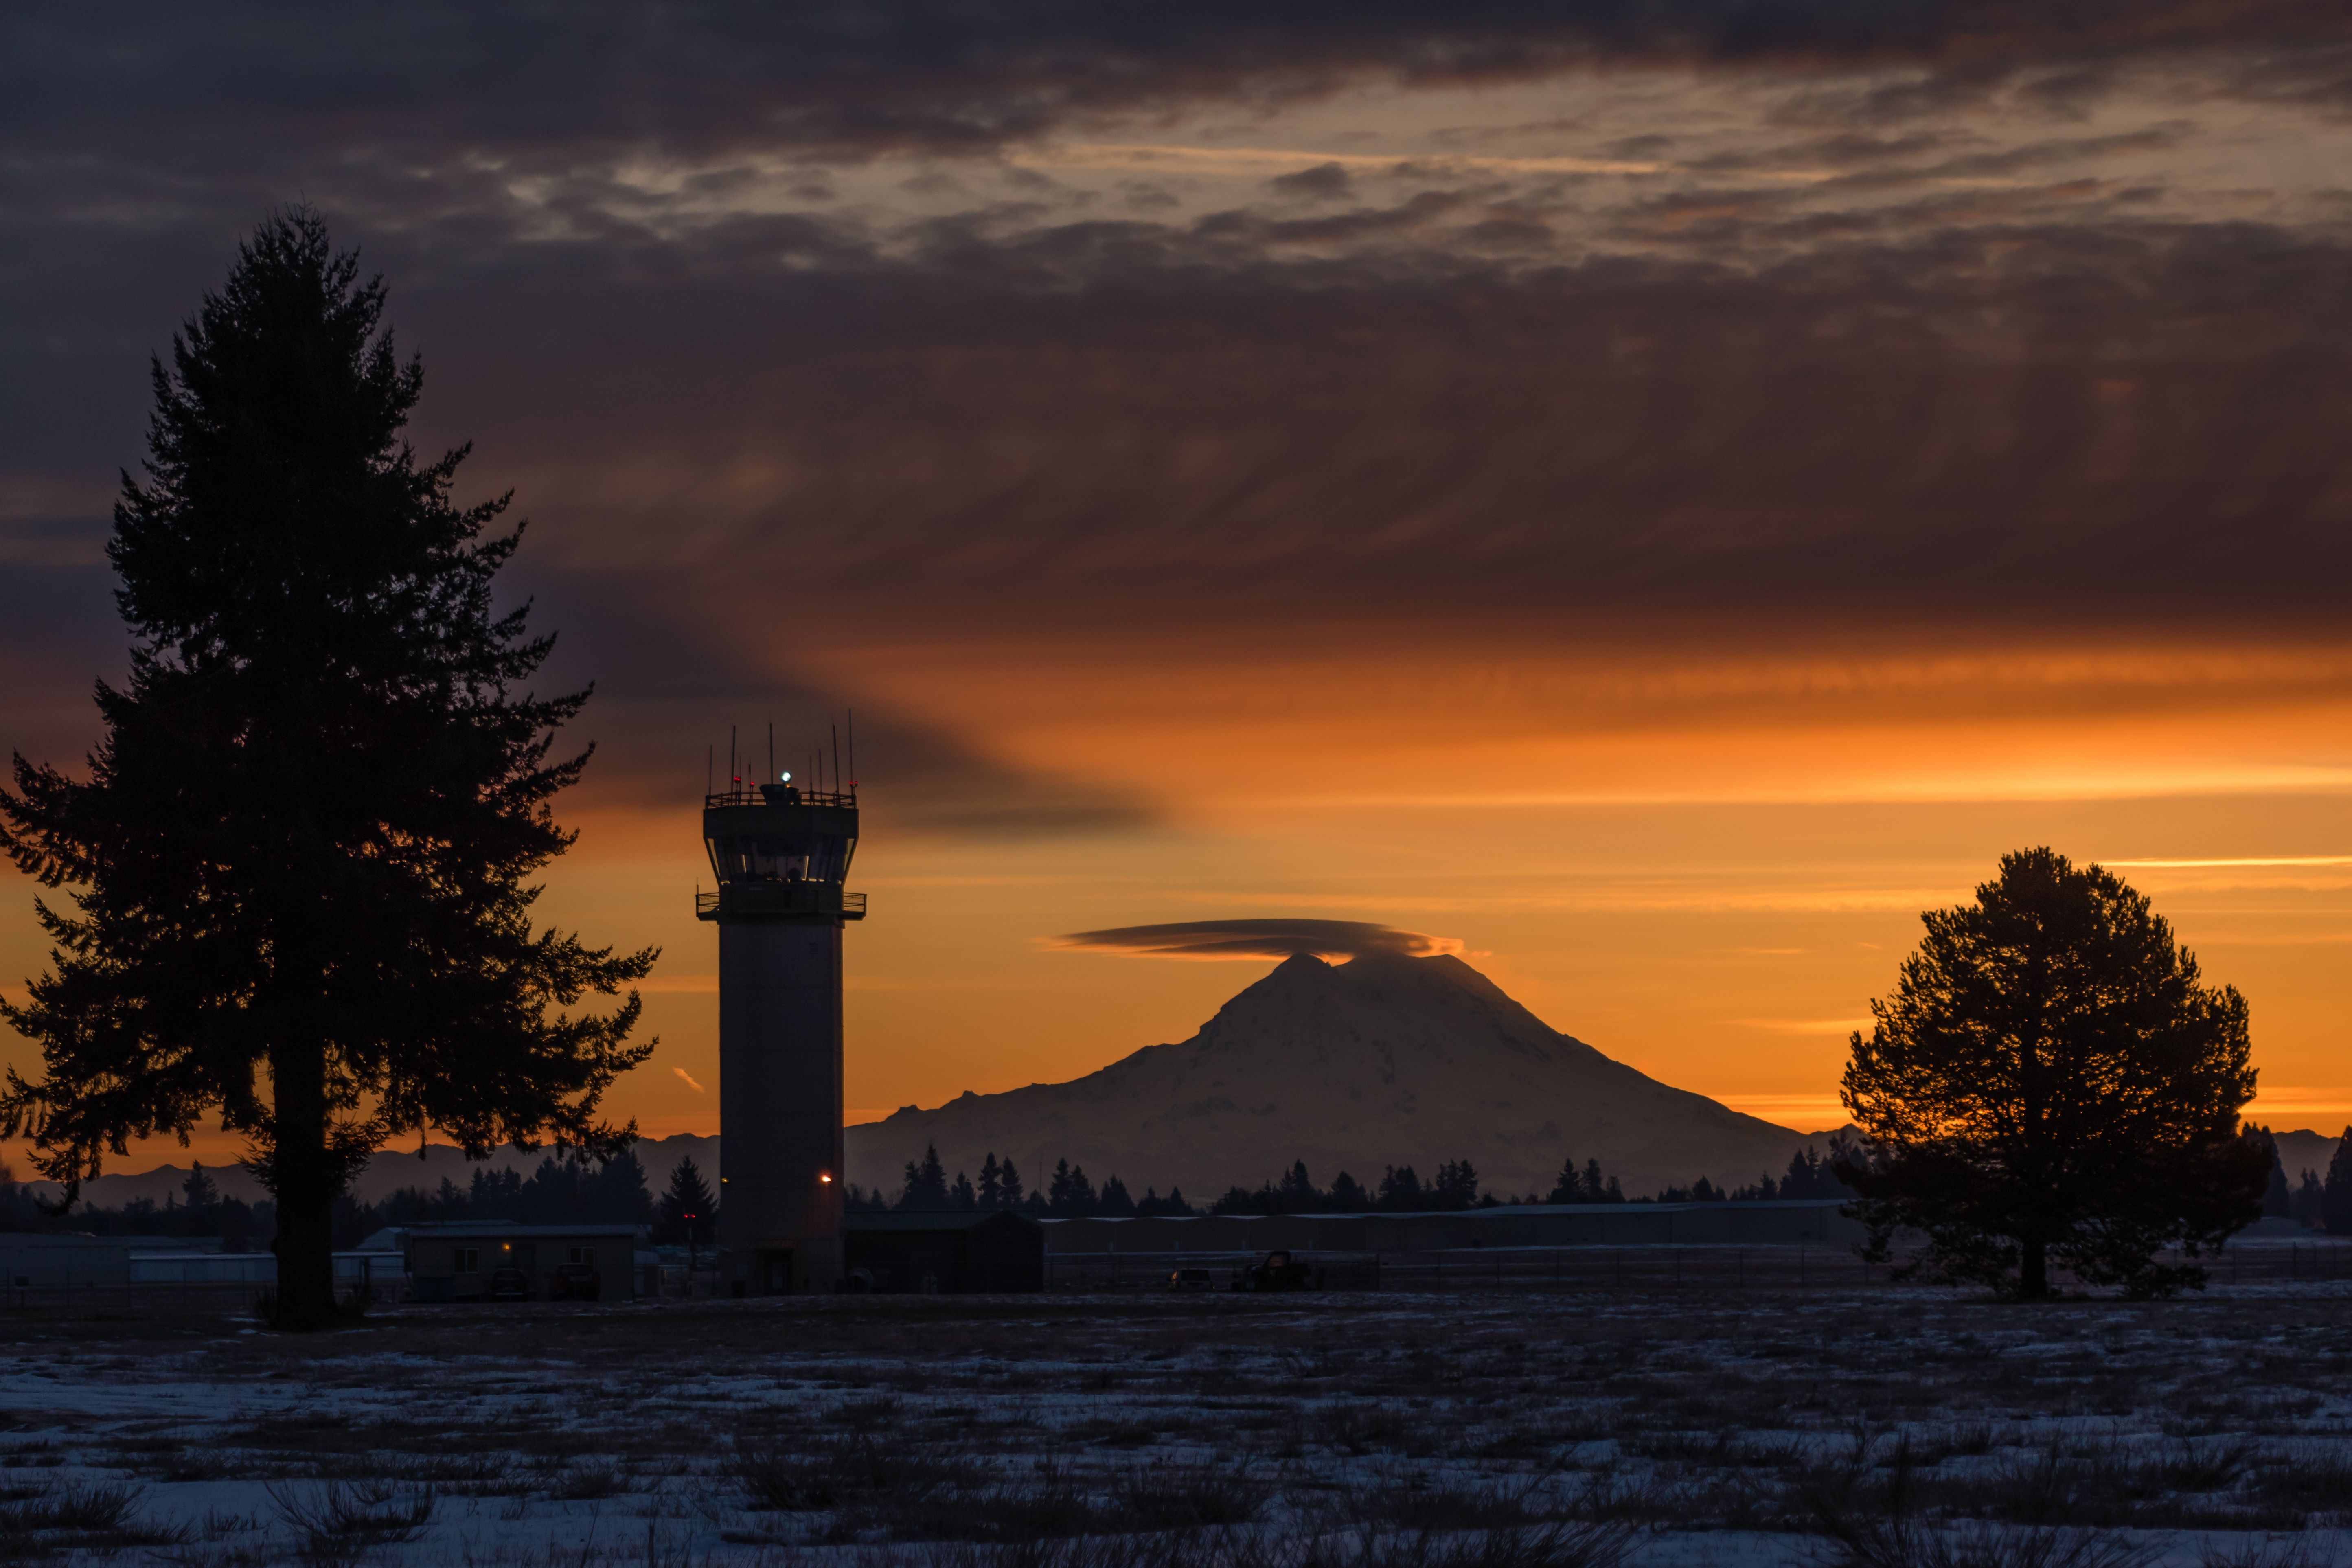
1259 939
853 76
2096 426
1370 410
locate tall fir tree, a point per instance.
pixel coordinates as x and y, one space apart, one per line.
989 1194
300 856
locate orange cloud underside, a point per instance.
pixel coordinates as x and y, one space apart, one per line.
1708 880
1704 870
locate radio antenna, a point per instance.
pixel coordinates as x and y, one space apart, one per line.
836 757
851 714
710 769
734 762
771 748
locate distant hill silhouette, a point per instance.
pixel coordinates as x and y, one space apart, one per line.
1383 1060
387 1172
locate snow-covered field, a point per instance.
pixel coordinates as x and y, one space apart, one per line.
1381 1431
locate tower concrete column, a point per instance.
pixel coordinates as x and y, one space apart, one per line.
779 1101
781 855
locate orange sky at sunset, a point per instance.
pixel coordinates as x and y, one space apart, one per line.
1662 511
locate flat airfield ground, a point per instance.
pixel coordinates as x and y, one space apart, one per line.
1486 1430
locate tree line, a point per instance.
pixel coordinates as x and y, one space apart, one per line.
1069 1192
566 1189
1454 1185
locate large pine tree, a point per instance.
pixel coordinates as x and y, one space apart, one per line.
299 856
2050 1086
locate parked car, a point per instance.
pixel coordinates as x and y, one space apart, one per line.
576 1282
1191 1279
510 1285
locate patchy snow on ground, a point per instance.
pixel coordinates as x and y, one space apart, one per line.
1471 1430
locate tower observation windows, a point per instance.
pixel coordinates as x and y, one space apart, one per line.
797 858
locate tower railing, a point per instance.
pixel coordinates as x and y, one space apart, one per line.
780 897
749 794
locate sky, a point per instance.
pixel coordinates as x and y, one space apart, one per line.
1648 495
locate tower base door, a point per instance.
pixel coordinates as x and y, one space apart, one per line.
810 1267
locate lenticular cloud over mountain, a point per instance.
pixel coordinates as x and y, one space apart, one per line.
1260 939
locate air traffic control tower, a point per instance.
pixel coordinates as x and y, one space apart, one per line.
781 854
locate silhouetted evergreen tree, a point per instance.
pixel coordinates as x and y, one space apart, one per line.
1113 1202
1455 1186
495 1194
927 1182
2310 1205
1151 1205
2277 1199
1297 1191
2337 1207
2050 1084
688 1209
571 1190
960 1194
1348 1195
990 1194
1071 1195
1400 1190
1238 1199
1810 1174
410 1205
1567 1187
1008 1185
302 849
